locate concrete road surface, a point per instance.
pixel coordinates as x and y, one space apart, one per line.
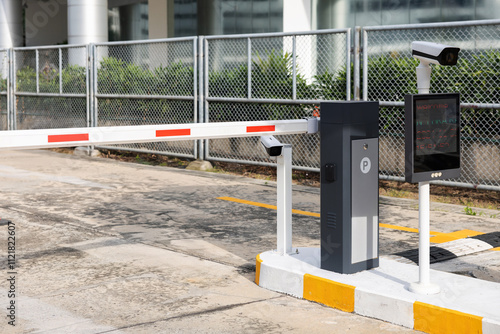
108 247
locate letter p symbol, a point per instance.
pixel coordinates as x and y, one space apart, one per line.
365 165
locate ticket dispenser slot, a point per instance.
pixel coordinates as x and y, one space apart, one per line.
349 186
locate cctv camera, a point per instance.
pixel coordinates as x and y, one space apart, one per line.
272 145
434 53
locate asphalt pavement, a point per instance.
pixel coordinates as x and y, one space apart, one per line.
103 246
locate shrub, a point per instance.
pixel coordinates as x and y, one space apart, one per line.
26 80
3 84
332 86
118 77
476 78
74 79
175 79
272 79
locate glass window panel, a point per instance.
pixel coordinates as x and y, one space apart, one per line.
424 11
371 14
395 12
128 22
487 9
185 18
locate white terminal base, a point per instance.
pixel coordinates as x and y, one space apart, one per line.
464 305
424 288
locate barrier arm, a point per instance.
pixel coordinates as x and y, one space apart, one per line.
69 137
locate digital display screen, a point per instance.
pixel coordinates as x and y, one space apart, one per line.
436 132
436 126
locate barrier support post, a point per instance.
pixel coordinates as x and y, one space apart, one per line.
284 201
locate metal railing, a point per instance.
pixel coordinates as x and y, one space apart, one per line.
50 87
273 76
260 77
147 82
389 74
4 89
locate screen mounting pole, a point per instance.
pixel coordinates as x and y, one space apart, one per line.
424 286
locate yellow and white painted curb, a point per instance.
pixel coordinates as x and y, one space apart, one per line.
464 305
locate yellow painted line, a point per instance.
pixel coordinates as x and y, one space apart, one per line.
242 201
314 214
407 229
257 269
462 234
433 319
329 293
267 206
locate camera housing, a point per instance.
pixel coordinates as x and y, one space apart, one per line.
434 53
272 145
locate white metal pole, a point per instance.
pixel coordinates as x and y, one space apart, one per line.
424 227
423 77
284 201
424 285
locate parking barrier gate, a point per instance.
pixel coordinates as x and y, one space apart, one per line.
69 137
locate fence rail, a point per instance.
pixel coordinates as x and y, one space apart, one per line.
255 77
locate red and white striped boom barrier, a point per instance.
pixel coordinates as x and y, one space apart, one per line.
47 138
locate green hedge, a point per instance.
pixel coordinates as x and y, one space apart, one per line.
477 79
391 77
271 78
121 78
73 78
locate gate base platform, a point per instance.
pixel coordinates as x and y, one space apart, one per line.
464 305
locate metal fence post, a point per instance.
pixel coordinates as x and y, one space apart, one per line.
357 50
365 65
249 67
206 116
348 64
13 101
60 72
93 85
37 62
198 91
294 67
10 99
90 95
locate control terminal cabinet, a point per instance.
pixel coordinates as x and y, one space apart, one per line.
349 186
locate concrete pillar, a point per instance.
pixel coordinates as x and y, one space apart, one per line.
161 19
297 15
11 23
46 22
210 17
87 21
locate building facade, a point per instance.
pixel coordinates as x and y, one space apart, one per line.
52 22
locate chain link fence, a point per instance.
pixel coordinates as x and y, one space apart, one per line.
273 77
389 74
260 77
148 82
51 87
4 84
